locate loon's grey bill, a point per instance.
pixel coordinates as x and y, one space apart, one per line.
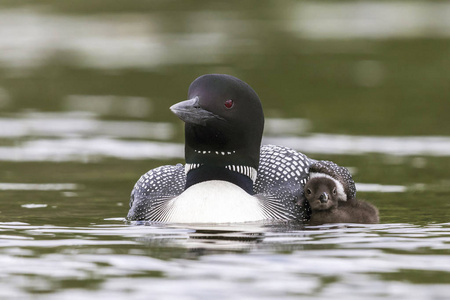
190 112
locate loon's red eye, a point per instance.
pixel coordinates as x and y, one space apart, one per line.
229 103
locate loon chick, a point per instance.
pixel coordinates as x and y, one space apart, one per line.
329 203
228 177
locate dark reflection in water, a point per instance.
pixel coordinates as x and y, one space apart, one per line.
167 261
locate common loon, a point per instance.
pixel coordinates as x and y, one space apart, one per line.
228 177
331 196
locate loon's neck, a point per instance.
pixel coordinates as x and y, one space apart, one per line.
206 173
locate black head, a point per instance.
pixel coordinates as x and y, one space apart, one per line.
224 122
321 193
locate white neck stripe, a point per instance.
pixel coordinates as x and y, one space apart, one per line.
188 167
244 170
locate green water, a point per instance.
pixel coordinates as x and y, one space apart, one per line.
81 83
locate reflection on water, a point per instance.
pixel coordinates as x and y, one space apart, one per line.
102 41
371 19
81 137
28 37
38 186
373 187
77 124
31 36
89 149
33 205
323 261
134 107
346 144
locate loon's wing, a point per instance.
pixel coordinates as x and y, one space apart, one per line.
153 190
282 173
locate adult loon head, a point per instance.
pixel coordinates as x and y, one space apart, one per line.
224 123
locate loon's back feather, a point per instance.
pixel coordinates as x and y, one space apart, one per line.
282 174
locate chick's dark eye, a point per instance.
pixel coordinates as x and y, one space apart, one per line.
229 103
334 191
308 191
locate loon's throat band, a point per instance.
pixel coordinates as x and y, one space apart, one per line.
188 167
244 170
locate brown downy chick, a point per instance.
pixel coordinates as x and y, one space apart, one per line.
329 203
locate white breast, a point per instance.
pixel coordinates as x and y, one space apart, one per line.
214 202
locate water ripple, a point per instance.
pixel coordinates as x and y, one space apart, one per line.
315 262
